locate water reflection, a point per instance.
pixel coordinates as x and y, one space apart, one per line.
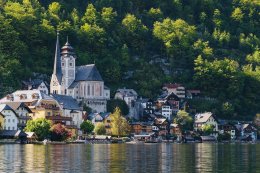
130 158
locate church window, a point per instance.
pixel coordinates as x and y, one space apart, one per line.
84 90
88 90
65 91
100 88
93 90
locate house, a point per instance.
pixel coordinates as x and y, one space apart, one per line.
167 111
83 83
177 89
129 96
246 131
226 127
95 118
13 136
175 129
35 84
205 119
41 105
31 137
2 121
107 121
70 108
162 125
23 112
11 119
141 127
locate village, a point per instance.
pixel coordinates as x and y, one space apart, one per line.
168 118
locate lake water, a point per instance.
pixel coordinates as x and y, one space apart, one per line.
148 158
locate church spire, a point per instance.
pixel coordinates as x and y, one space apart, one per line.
57 62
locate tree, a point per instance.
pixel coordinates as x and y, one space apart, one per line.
207 129
41 127
87 109
100 129
184 120
59 132
87 126
119 125
112 104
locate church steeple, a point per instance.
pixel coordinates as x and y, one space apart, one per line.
57 62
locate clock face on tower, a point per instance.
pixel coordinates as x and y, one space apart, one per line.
55 83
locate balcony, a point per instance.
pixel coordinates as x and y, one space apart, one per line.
58 118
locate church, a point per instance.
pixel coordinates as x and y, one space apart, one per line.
84 83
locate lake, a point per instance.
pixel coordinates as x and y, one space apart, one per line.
181 158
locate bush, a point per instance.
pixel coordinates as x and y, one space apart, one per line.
59 132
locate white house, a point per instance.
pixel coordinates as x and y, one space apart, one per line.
167 111
83 83
22 111
177 89
129 96
70 108
36 84
10 117
205 119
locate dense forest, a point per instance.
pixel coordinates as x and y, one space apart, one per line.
211 45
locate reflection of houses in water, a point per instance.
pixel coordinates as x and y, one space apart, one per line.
205 157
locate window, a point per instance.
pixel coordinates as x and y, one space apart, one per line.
71 64
63 64
8 128
8 120
88 90
13 120
13 128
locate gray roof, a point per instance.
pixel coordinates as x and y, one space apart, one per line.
127 92
73 85
57 62
87 73
66 101
202 118
35 83
12 133
5 107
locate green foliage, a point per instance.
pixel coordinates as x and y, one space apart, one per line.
127 37
119 125
87 109
41 127
224 137
100 129
184 120
87 126
121 104
207 129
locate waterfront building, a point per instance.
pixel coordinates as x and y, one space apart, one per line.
84 83
206 119
11 119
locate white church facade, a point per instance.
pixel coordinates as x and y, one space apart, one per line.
83 83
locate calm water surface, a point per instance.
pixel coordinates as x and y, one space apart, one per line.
146 158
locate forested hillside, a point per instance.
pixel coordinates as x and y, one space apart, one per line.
211 45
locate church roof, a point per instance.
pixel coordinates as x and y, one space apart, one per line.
57 62
66 101
87 73
73 85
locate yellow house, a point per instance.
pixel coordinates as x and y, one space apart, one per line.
1 121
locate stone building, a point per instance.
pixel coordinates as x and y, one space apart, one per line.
84 83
